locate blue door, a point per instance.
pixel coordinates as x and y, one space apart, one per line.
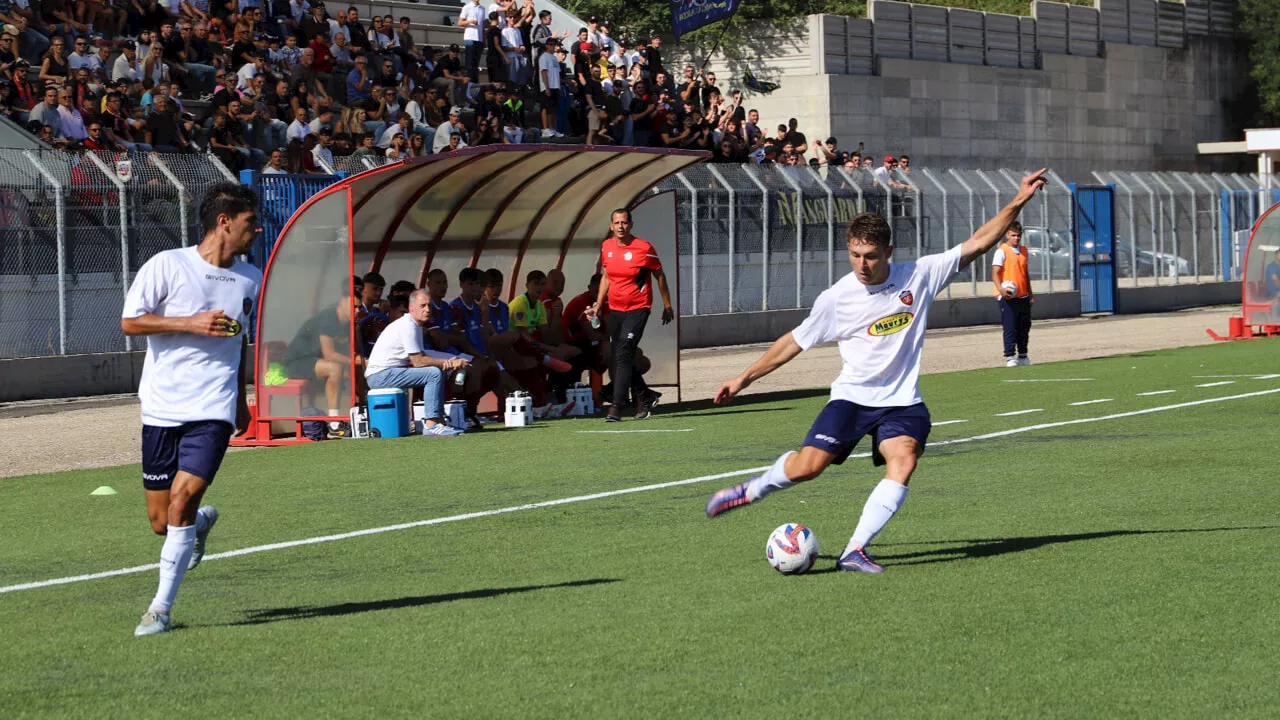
1094 220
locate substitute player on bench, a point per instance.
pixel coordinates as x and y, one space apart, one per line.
877 313
193 305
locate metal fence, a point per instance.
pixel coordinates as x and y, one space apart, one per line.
74 229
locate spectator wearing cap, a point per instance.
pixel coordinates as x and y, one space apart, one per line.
472 20
453 126
313 24
321 153
618 58
885 171
448 76
829 153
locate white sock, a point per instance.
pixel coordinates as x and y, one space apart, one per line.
174 556
202 519
333 424
775 478
883 502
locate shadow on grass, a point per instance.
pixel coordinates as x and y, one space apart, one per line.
992 547
305 612
689 408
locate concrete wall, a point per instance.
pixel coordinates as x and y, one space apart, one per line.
699 331
1172 297
66 376
1139 108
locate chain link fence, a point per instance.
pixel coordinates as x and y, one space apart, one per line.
77 226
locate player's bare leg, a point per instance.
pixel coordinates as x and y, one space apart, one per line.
900 455
789 469
181 516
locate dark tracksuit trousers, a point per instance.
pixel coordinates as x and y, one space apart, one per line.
1015 316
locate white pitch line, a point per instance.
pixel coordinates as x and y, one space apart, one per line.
624 432
600 495
1156 392
1020 412
948 422
1090 402
1223 382
1219 377
1267 377
1053 380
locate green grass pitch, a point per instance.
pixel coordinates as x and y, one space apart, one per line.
1120 568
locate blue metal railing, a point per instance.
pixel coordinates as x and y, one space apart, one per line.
281 196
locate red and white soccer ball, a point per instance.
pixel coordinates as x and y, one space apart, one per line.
792 549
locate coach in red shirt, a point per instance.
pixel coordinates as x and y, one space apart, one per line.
630 267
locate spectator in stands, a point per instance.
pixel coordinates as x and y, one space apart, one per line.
397 150
356 34
321 153
163 132
71 122
867 163
30 43
359 84
304 76
125 66
514 49
448 129
53 68
118 129
885 171
314 24
829 153
220 142
46 113
472 20
300 128
904 165
365 147
275 165
399 360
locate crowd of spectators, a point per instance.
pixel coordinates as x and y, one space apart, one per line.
286 85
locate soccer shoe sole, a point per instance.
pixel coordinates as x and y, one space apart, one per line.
197 552
727 499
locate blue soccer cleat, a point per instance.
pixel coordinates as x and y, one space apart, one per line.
857 560
727 499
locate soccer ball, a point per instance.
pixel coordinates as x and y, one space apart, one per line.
792 549
1009 285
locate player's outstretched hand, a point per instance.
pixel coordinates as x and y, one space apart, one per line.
211 323
729 390
1032 183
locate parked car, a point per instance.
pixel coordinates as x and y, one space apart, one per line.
1149 263
1048 253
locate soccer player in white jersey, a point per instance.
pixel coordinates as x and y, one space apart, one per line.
877 313
193 305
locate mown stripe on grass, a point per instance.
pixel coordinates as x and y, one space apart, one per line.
597 496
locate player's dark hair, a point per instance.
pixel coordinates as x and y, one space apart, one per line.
230 199
469 274
402 287
436 272
1015 226
535 276
870 228
493 276
622 211
373 278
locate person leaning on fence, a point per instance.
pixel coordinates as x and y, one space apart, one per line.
399 360
1013 292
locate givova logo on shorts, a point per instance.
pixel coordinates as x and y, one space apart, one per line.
891 324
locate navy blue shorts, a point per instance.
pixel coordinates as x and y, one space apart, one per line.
194 447
841 424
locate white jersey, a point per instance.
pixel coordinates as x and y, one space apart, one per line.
187 377
880 329
399 339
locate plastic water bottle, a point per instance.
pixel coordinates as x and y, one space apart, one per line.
460 378
595 321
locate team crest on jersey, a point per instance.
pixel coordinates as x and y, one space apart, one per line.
891 324
906 297
627 256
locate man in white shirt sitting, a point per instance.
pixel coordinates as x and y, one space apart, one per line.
299 129
399 360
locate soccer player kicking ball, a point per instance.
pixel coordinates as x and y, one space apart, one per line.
877 313
193 304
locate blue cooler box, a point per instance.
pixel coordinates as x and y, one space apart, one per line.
389 412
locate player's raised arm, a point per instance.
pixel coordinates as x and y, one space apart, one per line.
993 230
780 353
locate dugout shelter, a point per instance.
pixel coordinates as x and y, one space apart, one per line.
513 207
